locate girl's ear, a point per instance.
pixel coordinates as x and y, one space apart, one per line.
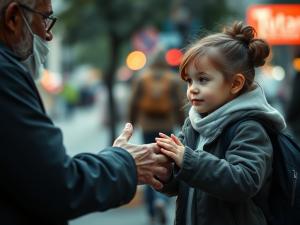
238 82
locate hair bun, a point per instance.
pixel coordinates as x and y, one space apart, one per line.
258 48
241 32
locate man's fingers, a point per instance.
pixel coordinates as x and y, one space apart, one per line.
149 178
165 174
160 158
155 148
127 131
160 171
156 184
125 135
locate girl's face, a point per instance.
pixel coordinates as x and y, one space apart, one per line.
207 88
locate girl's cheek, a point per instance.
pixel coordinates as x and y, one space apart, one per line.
210 97
188 94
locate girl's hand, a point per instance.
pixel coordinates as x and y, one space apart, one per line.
171 147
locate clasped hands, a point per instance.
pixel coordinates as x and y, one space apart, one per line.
153 167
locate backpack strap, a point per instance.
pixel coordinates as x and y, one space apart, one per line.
229 133
230 130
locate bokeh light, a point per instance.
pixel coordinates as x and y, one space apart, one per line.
296 64
173 57
278 73
136 60
51 82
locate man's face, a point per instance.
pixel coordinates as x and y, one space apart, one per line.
37 24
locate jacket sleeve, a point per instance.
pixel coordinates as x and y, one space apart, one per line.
38 175
241 174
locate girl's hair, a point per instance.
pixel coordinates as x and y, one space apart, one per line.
235 50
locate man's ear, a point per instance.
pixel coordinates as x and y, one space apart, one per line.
13 18
238 82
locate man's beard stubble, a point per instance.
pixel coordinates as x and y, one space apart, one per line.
23 49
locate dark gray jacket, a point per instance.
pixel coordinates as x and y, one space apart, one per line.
224 189
40 183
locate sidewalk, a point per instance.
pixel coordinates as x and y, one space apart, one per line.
121 216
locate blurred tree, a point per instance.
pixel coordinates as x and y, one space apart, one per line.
207 15
94 22
210 13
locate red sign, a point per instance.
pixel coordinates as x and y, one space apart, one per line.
279 24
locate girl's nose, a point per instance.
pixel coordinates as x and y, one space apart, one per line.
194 89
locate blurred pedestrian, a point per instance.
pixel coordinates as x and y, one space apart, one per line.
71 98
155 106
41 184
215 186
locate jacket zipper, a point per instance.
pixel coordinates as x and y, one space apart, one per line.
294 184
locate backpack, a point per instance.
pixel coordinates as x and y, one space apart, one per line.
156 97
283 206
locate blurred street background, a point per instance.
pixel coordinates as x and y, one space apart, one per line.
100 46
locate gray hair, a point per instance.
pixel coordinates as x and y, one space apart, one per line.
4 4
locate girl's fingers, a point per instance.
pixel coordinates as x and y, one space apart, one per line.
166 146
175 139
168 153
164 136
165 140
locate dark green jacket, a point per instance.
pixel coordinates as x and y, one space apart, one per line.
40 183
224 189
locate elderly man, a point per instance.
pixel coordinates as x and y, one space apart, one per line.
41 184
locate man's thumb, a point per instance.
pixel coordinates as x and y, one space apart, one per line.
124 136
127 131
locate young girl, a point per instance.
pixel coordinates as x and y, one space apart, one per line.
214 188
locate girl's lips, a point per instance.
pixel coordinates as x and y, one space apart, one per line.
197 101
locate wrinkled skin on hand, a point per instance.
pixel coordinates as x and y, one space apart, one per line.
153 168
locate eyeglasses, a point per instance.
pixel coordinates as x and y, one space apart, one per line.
48 20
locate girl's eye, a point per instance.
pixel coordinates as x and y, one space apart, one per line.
203 79
188 80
